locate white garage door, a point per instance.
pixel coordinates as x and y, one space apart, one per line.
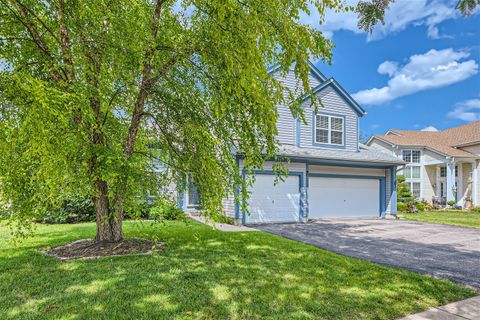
342 197
274 203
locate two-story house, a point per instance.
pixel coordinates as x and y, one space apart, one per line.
441 166
330 173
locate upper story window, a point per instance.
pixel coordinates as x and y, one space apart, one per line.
329 129
411 156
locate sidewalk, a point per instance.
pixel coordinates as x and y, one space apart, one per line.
460 310
222 226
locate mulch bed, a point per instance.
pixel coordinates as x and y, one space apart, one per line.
90 249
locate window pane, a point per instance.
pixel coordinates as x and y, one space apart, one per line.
337 124
443 172
415 172
337 137
322 136
322 122
456 171
416 156
407 156
407 172
416 189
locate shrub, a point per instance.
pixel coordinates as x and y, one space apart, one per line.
77 209
225 219
420 206
402 207
451 203
167 212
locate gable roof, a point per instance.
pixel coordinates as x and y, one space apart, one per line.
446 142
332 83
313 70
324 83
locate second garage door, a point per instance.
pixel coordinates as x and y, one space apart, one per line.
343 197
274 203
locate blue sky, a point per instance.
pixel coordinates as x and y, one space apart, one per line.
419 70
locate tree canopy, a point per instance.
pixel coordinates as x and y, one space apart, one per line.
94 93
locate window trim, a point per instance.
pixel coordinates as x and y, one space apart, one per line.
329 143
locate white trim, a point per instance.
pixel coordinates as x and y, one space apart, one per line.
329 130
475 185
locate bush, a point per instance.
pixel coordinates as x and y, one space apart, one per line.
225 219
451 203
476 210
77 209
167 212
402 207
420 206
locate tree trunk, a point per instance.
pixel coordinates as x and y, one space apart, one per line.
109 226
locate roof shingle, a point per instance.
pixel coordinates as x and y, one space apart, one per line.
445 142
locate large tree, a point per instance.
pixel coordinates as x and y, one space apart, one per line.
94 93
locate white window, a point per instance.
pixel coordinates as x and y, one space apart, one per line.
412 171
329 129
443 172
415 189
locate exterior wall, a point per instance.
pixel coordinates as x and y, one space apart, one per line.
466 181
346 170
388 188
476 182
333 104
381 146
429 179
229 206
286 123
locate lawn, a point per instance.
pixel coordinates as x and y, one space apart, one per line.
206 274
455 218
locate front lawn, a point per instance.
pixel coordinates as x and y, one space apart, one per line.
456 218
206 274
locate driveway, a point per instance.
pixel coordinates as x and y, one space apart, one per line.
439 250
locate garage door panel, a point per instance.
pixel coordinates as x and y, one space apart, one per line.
343 197
274 203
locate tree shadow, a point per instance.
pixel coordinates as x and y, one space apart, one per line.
207 274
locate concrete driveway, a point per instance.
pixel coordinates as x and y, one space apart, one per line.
439 250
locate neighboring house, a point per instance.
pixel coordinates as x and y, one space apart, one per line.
441 166
330 173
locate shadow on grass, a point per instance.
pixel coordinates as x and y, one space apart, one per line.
207 274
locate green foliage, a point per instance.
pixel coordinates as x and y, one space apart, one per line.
88 87
73 210
167 212
401 207
476 210
451 203
403 190
420 206
225 219
207 274
467 7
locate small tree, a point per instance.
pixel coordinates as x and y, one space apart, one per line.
404 195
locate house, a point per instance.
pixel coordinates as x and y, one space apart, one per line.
441 166
331 174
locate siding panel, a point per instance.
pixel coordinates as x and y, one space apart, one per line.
334 104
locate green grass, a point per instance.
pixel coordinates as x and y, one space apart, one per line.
206 274
455 218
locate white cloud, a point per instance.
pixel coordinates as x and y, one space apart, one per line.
430 128
433 69
400 15
388 67
468 110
